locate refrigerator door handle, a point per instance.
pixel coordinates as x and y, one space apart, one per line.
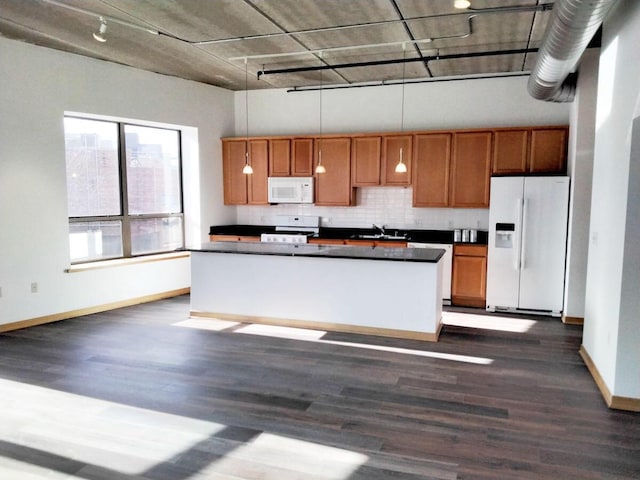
517 247
523 249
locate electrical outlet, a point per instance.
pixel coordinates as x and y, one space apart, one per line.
34 287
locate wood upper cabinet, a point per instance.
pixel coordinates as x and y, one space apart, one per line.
431 162
333 188
510 152
365 161
239 188
471 170
302 157
548 150
529 150
392 146
235 182
469 276
280 157
257 184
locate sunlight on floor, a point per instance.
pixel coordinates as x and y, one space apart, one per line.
307 335
98 432
58 429
206 324
488 322
288 458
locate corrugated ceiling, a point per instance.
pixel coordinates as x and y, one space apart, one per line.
206 40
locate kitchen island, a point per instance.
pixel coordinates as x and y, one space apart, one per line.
393 292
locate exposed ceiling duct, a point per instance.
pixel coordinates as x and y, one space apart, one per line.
572 25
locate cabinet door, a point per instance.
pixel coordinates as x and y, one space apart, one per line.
302 157
469 277
432 156
334 186
548 150
279 157
510 152
365 160
392 147
257 188
234 181
471 170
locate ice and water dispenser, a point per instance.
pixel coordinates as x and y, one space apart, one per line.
505 233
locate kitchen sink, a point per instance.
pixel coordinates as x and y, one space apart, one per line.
380 236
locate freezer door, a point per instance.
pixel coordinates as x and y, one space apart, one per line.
505 214
544 243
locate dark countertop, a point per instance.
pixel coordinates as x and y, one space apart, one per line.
427 255
418 236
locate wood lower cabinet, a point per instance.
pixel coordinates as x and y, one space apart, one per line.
469 276
233 238
333 188
548 150
471 170
365 161
431 164
393 147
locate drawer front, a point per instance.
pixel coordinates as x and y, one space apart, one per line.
470 250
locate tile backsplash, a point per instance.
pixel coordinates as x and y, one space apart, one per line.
390 206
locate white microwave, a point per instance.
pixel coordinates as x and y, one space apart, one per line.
290 189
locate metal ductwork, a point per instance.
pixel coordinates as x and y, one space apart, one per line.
572 25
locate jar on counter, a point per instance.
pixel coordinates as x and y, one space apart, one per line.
465 235
457 235
473 235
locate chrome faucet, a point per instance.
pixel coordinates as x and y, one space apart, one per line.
380 229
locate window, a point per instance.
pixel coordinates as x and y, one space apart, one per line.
124 189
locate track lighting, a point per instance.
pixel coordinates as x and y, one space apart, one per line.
461 4
99 35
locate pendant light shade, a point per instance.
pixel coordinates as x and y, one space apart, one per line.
100 34
401 167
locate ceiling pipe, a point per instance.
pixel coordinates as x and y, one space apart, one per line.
573 23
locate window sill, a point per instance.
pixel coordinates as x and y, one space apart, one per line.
121 262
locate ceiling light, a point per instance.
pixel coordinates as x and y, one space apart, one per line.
461 4
99 35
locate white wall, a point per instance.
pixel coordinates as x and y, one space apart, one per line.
428 106
612 323
580 169
38 86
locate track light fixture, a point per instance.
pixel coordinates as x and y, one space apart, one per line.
461 4
99 35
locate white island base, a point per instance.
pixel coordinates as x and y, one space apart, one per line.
401 299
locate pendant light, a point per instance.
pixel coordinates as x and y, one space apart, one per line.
99 36
401 167
247 170
320 168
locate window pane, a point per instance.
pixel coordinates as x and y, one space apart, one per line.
95 240
93 179
153 170
150 235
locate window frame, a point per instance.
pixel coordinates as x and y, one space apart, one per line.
125 218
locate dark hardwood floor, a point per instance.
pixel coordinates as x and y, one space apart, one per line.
146 393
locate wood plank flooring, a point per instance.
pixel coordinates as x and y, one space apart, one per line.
146 393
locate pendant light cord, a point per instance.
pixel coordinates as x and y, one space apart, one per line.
404 63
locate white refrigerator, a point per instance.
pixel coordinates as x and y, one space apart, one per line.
527 244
